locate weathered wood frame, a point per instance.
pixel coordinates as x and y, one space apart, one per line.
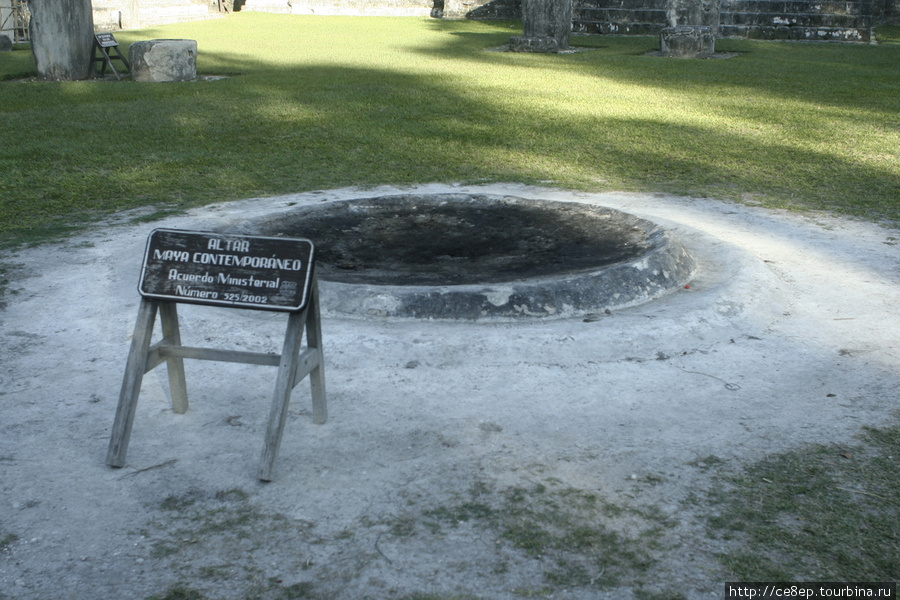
294 364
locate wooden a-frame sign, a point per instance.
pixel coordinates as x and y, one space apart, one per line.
250 272
108 48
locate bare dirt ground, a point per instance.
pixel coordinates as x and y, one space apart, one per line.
562 458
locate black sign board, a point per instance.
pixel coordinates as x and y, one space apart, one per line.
106 40
241 271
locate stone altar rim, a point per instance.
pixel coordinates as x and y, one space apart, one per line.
480 256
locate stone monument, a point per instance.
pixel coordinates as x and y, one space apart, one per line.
546 26
62 38
693 29
163 60
5 43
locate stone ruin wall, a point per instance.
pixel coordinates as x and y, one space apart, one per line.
813 20
822 20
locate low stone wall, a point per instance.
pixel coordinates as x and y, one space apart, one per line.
479 9
823 20
112 15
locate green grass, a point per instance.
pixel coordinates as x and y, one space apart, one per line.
211 539
888 34
179 592
322 102
570 531
821 513
7 539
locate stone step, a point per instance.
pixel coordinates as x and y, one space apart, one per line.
794 20
784 32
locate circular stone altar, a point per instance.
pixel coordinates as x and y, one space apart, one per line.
477 256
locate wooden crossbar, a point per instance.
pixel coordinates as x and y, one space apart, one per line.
294 364
163 350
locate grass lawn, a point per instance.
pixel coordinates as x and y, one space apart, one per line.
321 102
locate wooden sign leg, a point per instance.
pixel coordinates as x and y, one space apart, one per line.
131 384
283 386
314 342
168 317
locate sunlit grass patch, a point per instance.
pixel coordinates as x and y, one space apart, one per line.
313 102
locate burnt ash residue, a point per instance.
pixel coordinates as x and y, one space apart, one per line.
454 239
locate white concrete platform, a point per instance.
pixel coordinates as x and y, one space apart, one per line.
787 336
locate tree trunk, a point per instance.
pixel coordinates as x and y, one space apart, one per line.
62 38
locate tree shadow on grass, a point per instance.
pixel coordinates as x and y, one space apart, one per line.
275 129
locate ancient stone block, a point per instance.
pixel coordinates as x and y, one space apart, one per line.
693 12
164 60
546 26
62 37
687 41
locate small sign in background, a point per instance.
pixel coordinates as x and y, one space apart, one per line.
106 40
